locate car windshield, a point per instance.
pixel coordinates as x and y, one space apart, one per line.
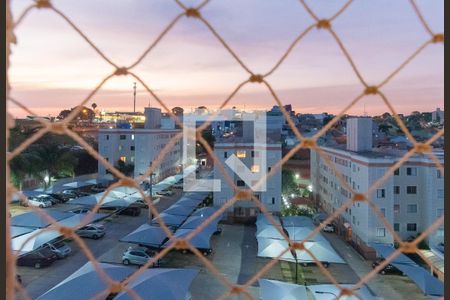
45 252
59 244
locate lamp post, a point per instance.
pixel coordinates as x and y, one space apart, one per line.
322 292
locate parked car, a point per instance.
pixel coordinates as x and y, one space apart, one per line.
178 185
388 269
74 194
138 256
93 231
38 259
60 248
326 264
81 211
61 198
131 210
218 230
53 200
440 247
37 201
98 188
165 193
328 228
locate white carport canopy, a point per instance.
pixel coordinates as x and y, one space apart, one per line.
82 219
274 289
273 248
301 233
323 252
297 221
169 219
31 241
269 231
156 284
179 210
86 282
201 240
194 221
206 211
18 231
112 199
35 220
147 235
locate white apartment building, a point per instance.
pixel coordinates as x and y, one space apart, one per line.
411 200
141 147
247 152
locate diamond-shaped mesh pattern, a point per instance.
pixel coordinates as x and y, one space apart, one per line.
61 127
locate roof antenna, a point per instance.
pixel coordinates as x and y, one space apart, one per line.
134 98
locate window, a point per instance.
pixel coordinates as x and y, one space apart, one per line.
132 148
397 172
225 154
240 183
123 137
381 193
411 227
439 175
397 227
123 158
268 169
120 147
273 200
411 171
383 211
353 220
439 212
241 153
255 168
132 137
381 232
107 159
411 189
440 193
132 159
412 208
396 208
107 137
396 189
253 153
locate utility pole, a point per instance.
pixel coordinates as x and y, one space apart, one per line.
134 97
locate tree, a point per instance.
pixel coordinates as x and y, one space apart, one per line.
126 169
288 184
64 114
177 111
24 164
94 106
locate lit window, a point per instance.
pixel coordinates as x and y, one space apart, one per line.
240 153
120 147
132 137
123 158
255 168
381 232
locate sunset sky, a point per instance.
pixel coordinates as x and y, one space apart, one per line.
53 68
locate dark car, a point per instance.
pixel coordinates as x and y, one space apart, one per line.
38 259
60 197
324 263
131 211
74 194
388 269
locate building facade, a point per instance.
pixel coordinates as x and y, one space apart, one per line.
411 199
246 153
140 147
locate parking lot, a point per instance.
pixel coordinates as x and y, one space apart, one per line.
234 255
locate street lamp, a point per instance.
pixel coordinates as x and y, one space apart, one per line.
297 176
322 292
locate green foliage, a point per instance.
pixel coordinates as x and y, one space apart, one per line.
288 183
125 168
295 210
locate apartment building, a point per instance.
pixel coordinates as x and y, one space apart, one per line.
248 154
140 147
411 200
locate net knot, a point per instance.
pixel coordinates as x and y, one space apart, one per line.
359 197
256 78
309 143
181 244
438 38
121 71
408 247
128 182
243 194
192 12
298 246
346 292
66 231
58 127
43 4
371 90
115 287
236 290
323 24
423 148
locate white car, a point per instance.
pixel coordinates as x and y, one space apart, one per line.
38 201
328 228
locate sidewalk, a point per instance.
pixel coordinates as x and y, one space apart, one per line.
383 286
